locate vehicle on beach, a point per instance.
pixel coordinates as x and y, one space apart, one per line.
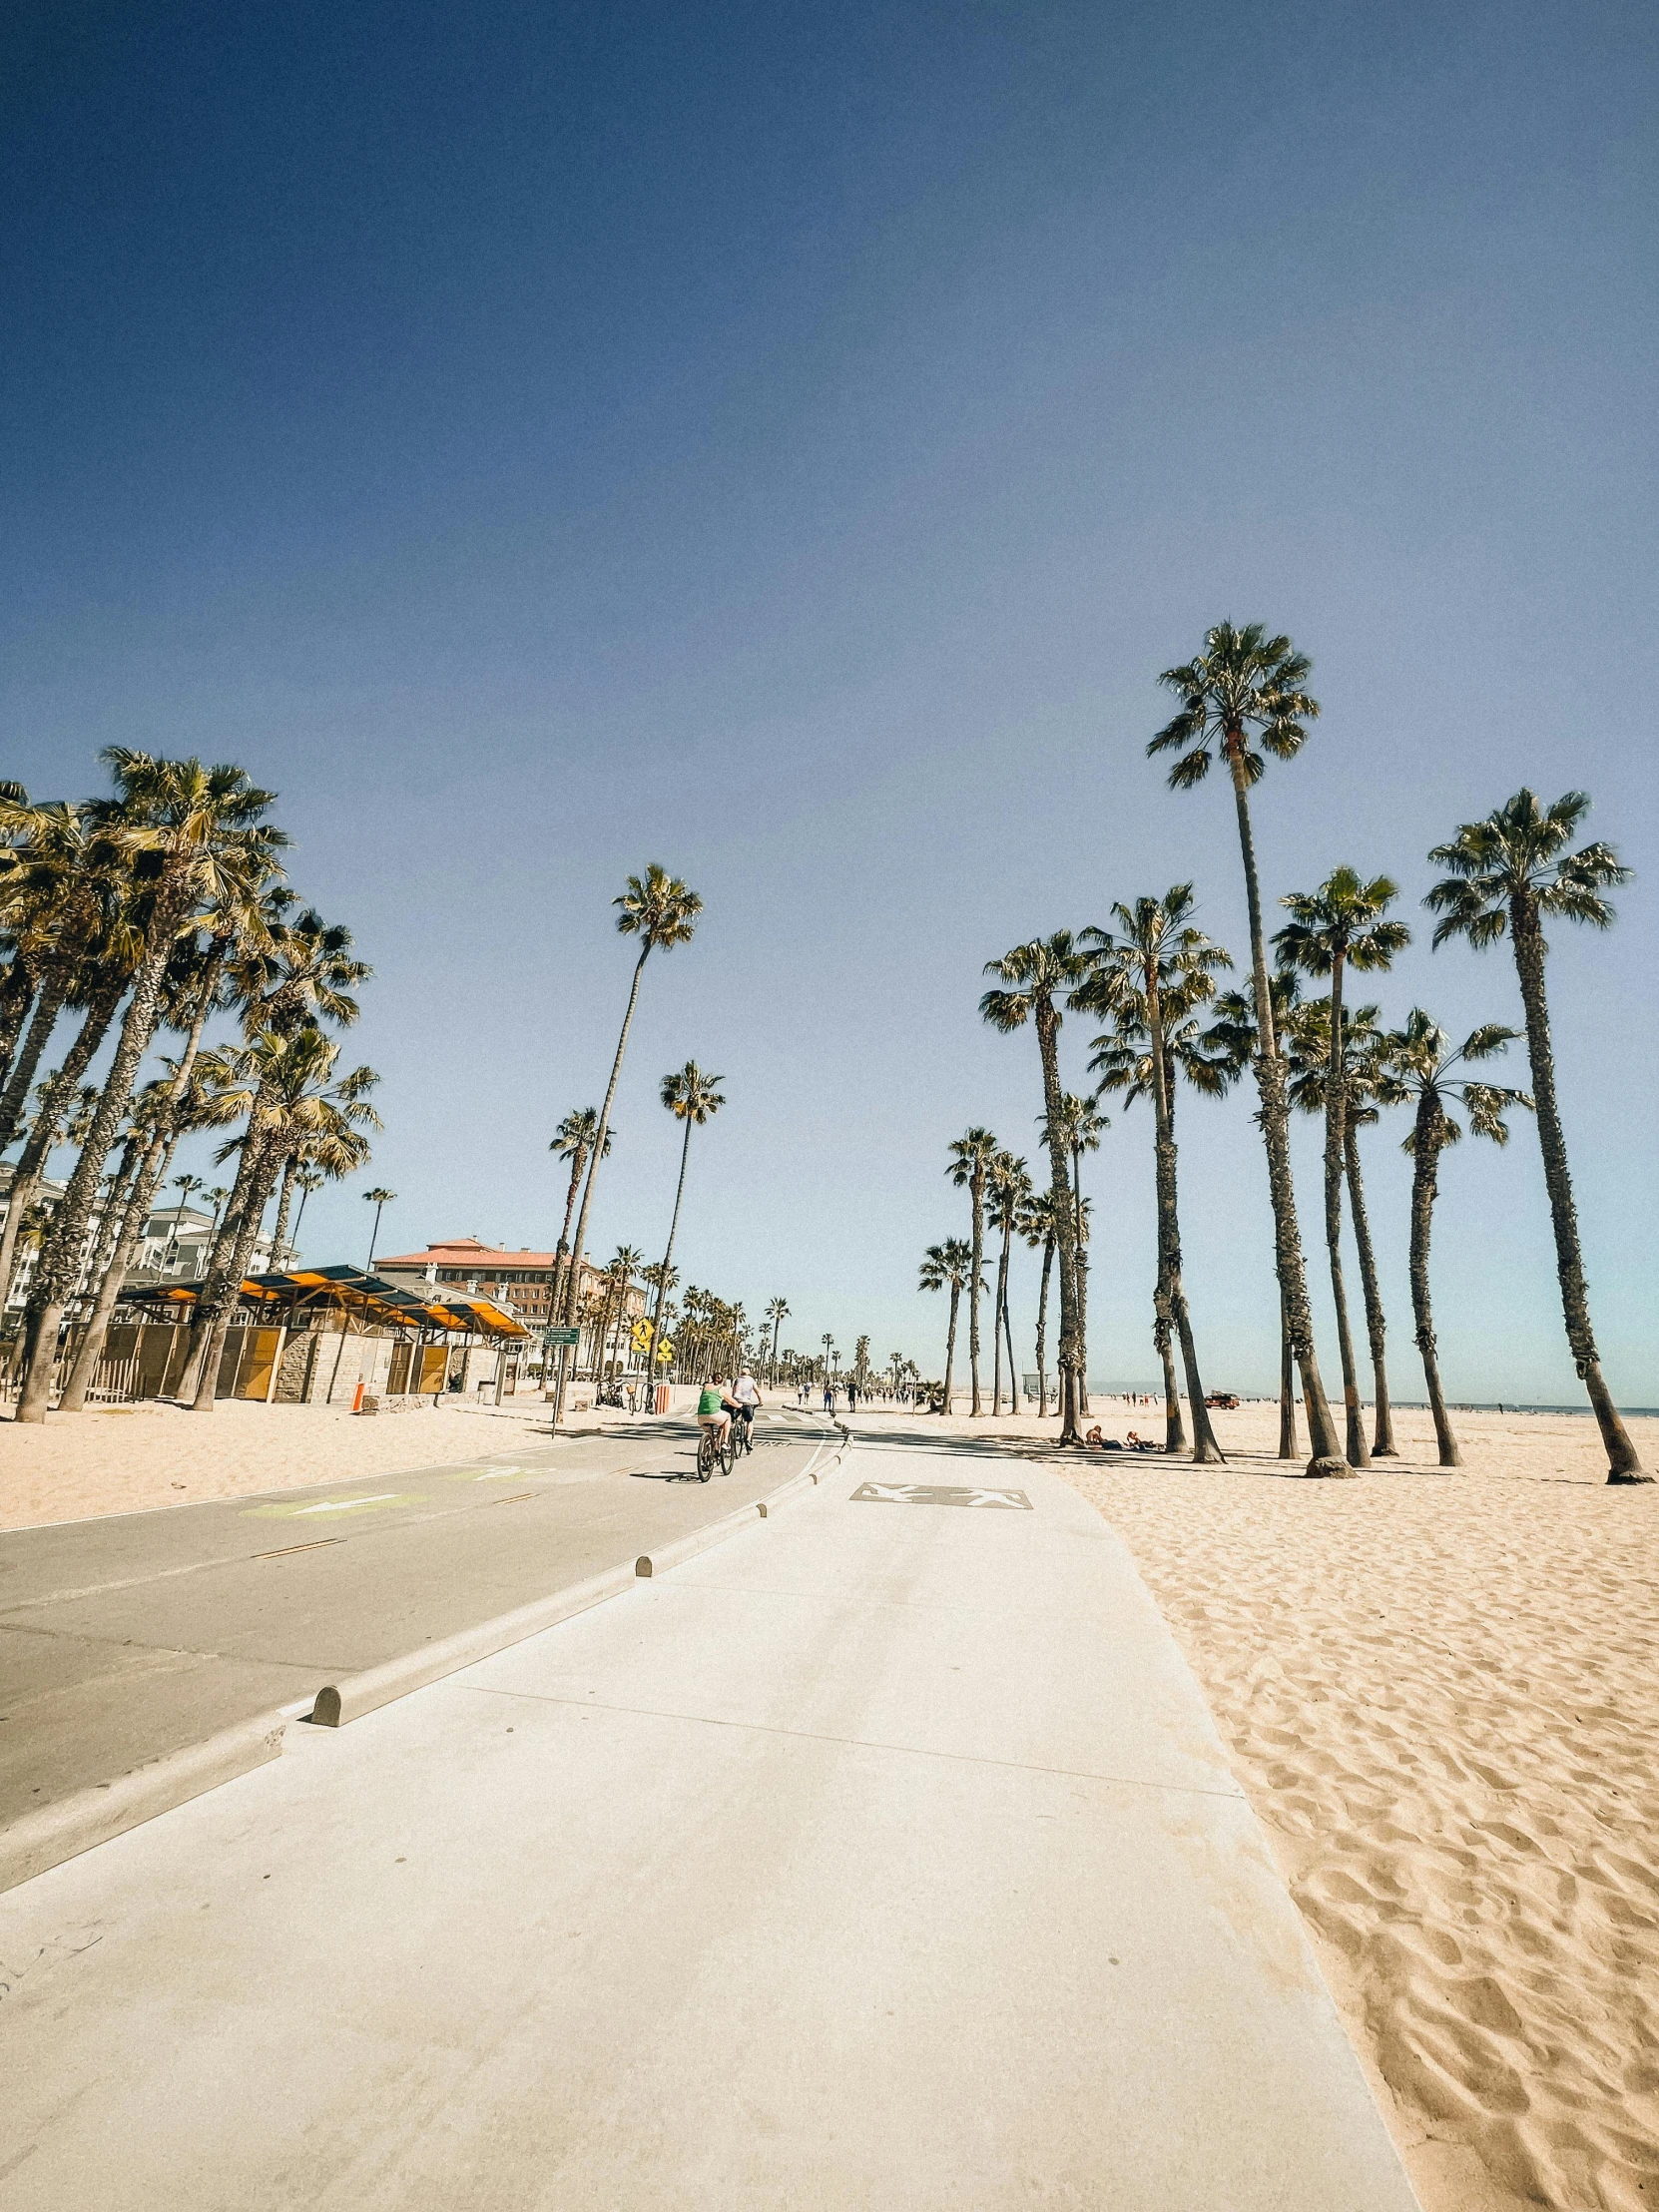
1225 1401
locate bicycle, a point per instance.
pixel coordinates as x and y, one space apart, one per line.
743 1437
713 1449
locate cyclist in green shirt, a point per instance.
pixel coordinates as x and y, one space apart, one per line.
715 1409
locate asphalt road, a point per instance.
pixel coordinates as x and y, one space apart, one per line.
122 1639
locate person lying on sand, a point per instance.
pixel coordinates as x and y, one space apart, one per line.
1140 1444
1097 1443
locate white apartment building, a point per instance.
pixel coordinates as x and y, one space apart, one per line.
175 1245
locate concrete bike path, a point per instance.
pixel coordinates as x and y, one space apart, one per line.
884 1856
125 1639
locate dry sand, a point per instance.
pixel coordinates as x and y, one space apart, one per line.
1440 1690
130 1459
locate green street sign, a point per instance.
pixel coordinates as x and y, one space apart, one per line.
561 1336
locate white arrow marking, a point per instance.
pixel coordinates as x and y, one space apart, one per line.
892 1494
993 1498
344 1505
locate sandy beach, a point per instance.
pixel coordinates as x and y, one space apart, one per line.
133 1458
1441 1692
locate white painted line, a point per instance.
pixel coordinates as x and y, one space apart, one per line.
344 1505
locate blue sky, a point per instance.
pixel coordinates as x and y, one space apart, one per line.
788 445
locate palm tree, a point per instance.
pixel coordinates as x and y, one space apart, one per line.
1008 1183
308 1180
573 1140
970 1159
778 1312
1420 1059
1244 681
380 1199
1036 1226
184 1185
688 1095
626 1263
1035 975
1340 926
1159 969
1306 1032
662 913
1508 874
190 830
1229 1045
947 1266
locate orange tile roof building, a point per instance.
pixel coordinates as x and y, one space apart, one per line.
522 1281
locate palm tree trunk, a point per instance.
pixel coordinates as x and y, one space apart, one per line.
1082 1283
1163 1339
278 1236
111 1266
673 1231
977 1189
218 1327
1326 1458
1335 1122
997 1313
1623 1464
1286 1385
61 1255
1382 1442
17 995
561 1258
1042 1330
43 1135
1426 1154
1013 1376
1206 1450
1048 1023
598 1155
950 1341
299 1225
14 1099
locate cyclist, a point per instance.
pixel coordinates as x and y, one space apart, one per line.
715 1409
748 1398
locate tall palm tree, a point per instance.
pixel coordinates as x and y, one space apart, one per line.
946 1266
691 1097
189 829
969 1167
1157 970
1305 1036
1009 1186
778 1312
1509 873
308 1180
573 1140
1245 682
1035 977
1036 1226
1343 925
380 1199
1423 1061
184 1185
662 913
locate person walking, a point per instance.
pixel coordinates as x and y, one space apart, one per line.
829 1398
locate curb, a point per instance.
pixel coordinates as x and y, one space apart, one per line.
339 1703
92 1816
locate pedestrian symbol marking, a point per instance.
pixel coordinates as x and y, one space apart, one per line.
939 1493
